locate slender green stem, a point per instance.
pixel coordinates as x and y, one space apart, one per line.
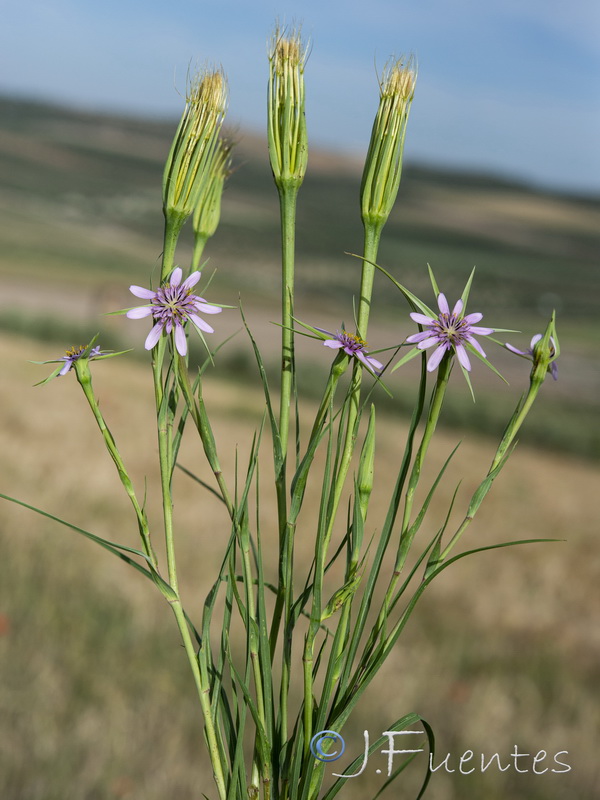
84 378
253 640
514 425
337 370
85 381
406 535
370 248
509 436
173 225
435 408
203 688
197 410
199 245
287 200
164 423
288 194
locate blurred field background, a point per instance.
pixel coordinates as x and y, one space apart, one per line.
95 699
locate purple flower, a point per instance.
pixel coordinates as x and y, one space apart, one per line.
173 304
353 345
530 353
74 354
449 330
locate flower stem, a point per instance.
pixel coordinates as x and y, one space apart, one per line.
518 417
199 245
370 248
288 193
173 226
203 689
165 425
85 381
287 199
406 536
435 408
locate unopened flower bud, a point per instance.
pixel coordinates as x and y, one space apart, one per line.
208 208
383 165
288 144
544 352
364 483
187 169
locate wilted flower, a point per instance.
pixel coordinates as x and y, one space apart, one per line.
449 330
354 346
530 353
172 305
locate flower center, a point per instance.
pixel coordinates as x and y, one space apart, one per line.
354 339
76 350
451 327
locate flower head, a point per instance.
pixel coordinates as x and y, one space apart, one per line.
286 123
383 164
78 353
74 354
171 306
449 331
530 353
353 346
194 143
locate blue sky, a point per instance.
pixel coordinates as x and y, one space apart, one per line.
510 86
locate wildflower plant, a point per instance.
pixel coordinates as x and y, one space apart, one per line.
347 611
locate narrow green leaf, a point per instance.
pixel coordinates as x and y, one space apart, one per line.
471 349
407 721
434 285
262 741
433 559
408 357
277 451
198 480
112 547
466 291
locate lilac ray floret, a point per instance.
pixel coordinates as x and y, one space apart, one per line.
353 346
529 353
449 331
171 306
74 354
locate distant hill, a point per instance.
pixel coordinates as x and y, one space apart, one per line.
80 211
62 170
